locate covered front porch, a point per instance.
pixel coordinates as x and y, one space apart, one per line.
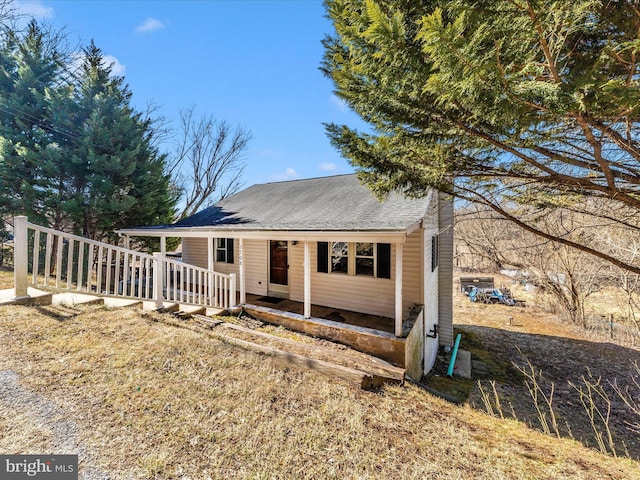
257 257
368 333
345 317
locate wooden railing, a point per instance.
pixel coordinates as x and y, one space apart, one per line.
56 260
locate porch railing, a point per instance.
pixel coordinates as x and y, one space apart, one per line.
51 259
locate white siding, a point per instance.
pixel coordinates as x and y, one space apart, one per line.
375 296
430 301
256 266
194 251
296 270
445 269
412 272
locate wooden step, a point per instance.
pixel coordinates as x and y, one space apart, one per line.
187 311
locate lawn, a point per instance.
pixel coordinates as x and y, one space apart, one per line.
138 398
6 278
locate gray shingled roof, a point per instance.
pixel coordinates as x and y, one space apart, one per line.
339 203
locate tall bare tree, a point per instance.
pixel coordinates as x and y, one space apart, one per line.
567 274
208 162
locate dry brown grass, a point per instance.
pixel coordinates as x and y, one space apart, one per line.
142 399
560 356
6 278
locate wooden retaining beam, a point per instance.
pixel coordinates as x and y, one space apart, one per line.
360 378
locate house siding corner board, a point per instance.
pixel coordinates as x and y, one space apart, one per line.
445 270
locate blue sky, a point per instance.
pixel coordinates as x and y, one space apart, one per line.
251 63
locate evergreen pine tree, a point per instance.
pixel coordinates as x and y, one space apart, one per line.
118 176
504 103
29 74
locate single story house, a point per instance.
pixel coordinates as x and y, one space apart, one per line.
330 242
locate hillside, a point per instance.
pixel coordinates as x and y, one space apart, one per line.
516 346
142 399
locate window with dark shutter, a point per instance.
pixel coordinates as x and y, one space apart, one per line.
383 260
224 250
323 257
435 247
229 250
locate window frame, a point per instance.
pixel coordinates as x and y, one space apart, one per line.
381 252
332 246
372 257
226 250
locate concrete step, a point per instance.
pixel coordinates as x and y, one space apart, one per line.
113 302
35 297
182 308
71 298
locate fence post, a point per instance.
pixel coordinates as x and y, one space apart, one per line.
611 325
20 252
157 279
232 290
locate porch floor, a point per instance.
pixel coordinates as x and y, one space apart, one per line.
375 322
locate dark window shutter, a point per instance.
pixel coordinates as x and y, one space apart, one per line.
434 252
384 260
323 257
229 250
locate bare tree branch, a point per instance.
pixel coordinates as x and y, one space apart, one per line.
208 160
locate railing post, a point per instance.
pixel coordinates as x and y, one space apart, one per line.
232 290
157 279
20 251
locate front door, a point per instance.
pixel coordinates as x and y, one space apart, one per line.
278 266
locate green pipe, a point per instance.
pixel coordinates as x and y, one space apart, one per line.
454 354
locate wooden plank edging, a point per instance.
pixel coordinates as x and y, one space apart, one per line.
362 379
393 372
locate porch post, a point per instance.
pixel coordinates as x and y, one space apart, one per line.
398 323
243 293
307 281
158 274
20 252
163 245
232 290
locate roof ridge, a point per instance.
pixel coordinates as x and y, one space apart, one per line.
306 179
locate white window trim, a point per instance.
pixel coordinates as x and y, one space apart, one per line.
373 256
351 259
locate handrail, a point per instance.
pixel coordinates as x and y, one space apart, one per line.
67 262
78 238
